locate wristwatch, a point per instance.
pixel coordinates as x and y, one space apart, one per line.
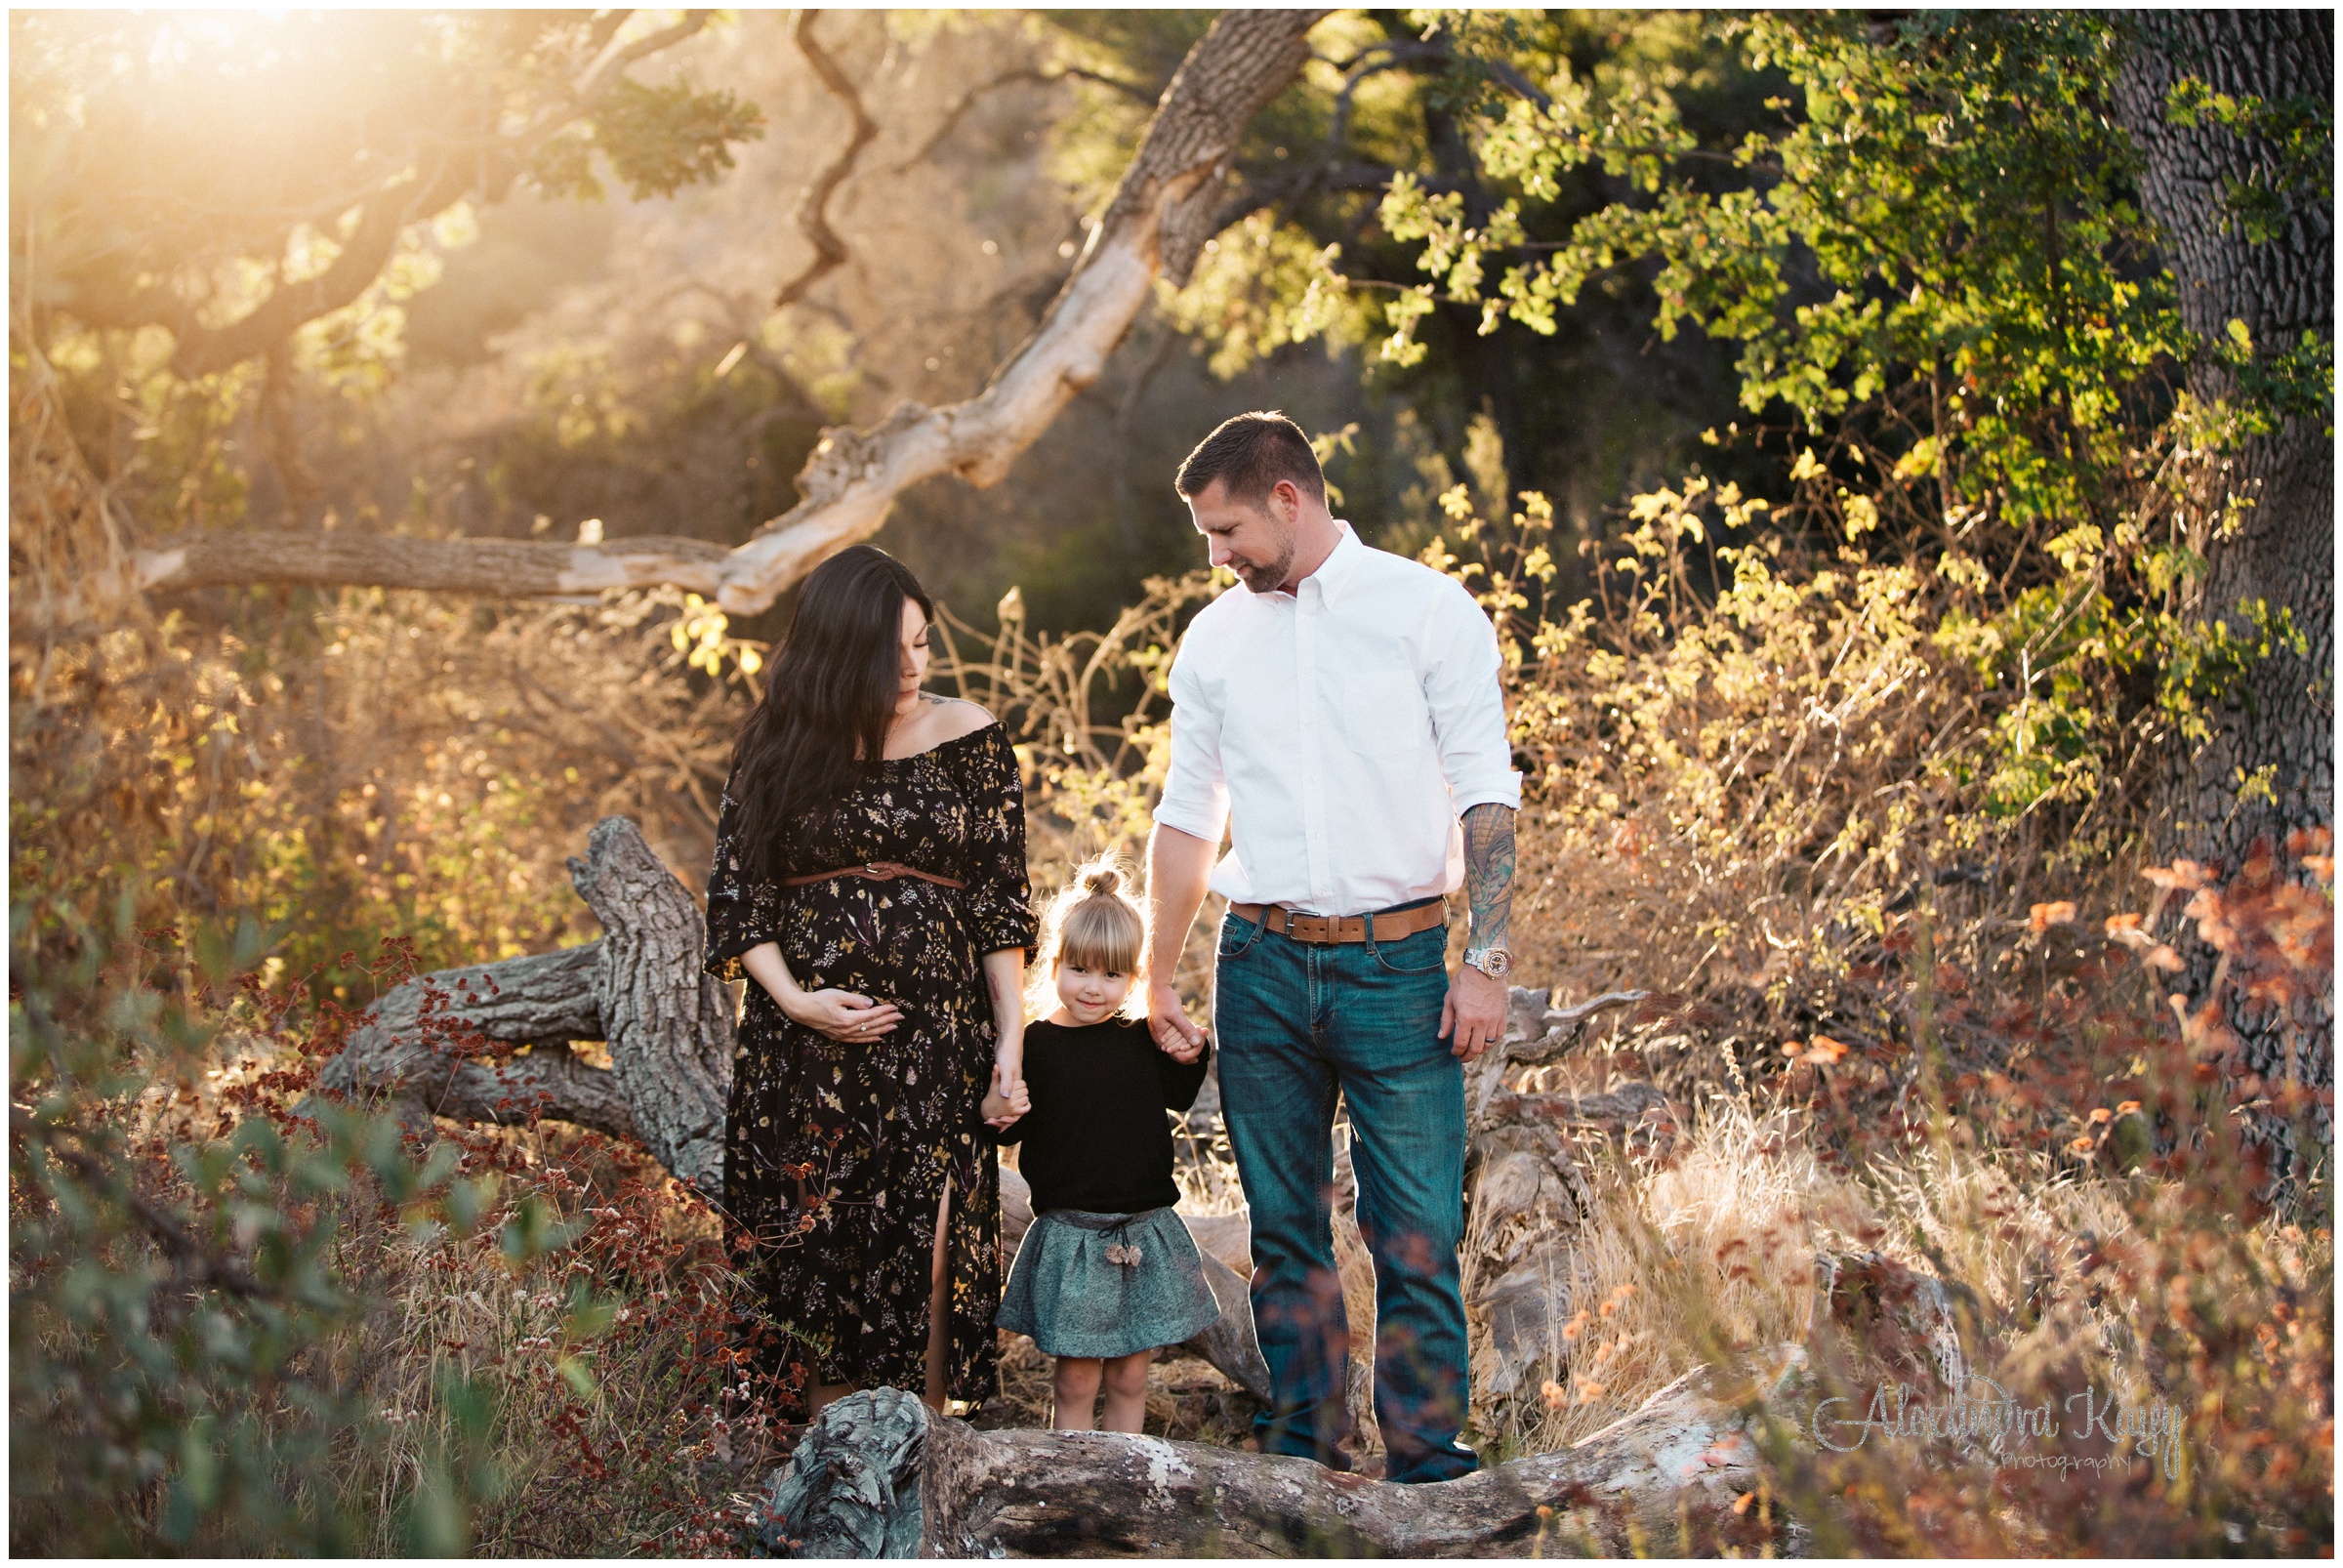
1493 961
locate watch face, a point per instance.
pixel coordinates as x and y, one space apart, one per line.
1494 963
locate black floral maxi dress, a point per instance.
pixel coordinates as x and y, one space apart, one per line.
843 1257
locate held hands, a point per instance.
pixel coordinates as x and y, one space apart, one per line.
843 1015
1006 1100
1474 1012
1174 1034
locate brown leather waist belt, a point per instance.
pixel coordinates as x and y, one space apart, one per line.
876 871
1389 926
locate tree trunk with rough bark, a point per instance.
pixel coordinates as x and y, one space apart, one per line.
2276 733
491 1043
1163 211
669 1026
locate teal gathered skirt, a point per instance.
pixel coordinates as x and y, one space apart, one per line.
1107 1284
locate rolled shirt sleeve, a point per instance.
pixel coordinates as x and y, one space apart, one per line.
1195 797
1464 685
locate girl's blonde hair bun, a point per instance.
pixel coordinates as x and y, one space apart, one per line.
1094 922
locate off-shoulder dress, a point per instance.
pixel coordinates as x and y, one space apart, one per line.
836 1154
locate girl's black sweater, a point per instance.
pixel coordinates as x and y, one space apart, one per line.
1097 1138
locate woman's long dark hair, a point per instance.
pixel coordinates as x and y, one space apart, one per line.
829 699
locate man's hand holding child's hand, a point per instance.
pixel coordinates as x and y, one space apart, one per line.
1178 1038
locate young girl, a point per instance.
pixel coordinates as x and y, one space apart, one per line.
1108 1272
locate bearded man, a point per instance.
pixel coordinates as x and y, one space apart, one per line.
1341 715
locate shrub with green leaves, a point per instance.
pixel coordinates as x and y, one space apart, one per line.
179 1298
1955 330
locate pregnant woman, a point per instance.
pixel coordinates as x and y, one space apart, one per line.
870 883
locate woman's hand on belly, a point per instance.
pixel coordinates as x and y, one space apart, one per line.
846 1016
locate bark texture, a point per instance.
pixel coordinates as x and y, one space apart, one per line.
508 567
878 1472
669 1026
2283 717
1156 226
444 1044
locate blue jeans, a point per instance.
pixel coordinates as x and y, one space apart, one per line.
1297 1023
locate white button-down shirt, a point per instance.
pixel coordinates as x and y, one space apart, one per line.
1340 732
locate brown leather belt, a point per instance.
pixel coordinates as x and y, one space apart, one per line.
1389 926
876 871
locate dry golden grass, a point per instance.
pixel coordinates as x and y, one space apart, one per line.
1722 1240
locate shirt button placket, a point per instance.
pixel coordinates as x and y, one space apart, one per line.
1309 607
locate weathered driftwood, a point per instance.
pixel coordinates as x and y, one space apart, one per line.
1536 1031
1230 1346
443 1043
879 1473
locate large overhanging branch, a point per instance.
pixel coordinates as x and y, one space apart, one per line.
1161 216
364 254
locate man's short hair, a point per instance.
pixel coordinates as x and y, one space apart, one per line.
1252 452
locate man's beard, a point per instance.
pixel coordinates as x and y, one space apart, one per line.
1266 579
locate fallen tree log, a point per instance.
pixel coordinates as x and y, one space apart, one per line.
880 1474
418 1048
492 1042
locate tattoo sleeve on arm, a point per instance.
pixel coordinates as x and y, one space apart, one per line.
1489 873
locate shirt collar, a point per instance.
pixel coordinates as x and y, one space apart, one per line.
1341 563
